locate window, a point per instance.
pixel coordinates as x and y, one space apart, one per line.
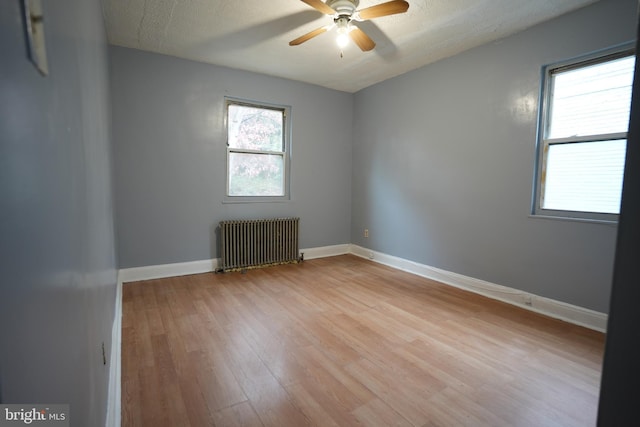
583 136
257 151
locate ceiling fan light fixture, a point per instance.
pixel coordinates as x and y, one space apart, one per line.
342 30
342 40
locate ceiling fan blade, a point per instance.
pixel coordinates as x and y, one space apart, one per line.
309 36
363 41
320 6
384 9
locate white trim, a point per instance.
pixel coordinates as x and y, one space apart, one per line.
115 386
205 266
326 251
167 270
560 310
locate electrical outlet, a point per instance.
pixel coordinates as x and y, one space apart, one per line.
366 232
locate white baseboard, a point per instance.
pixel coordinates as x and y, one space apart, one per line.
326 251
115 386
560 310
167 270
205 266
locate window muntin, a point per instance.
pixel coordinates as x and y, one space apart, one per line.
582 145
257 151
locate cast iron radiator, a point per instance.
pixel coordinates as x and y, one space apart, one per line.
260 242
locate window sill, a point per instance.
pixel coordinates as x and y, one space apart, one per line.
255 199
574 219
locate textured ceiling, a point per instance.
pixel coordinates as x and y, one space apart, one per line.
253 35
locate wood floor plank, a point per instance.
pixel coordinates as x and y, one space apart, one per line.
377 413
240 415
216 381
316 405
131 408
141 335
401 398
195 403
442 409
153 400
336 347
345 341
512 410
334 378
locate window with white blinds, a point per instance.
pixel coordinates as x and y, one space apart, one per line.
584 122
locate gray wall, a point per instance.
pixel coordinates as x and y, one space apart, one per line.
443 164
57 290
170 157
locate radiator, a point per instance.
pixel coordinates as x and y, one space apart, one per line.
255 243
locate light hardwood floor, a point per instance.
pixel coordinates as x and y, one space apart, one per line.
345 341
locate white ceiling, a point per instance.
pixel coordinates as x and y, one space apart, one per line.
254 35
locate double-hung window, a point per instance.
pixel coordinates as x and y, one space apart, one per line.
257 151
583 136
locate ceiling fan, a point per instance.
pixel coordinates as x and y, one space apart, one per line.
344 12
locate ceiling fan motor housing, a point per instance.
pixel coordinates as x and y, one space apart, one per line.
343 7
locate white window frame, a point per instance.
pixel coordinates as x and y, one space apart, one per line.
543 143
286 154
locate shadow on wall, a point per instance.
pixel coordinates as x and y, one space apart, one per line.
214 232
